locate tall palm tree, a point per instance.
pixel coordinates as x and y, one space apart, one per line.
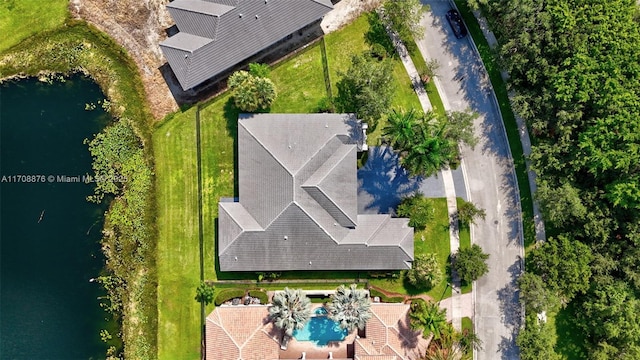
430 152
428 316
401 130
350 307
291 310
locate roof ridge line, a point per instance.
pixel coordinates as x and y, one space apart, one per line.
315 221
380 226
314 155
267 150
224 329
355 223
319 3
346 149
251 336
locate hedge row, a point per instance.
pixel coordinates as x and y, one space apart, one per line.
228 294
264 298
384 298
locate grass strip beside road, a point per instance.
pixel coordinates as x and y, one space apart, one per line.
465 243
508 117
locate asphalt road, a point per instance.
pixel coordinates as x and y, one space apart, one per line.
490 180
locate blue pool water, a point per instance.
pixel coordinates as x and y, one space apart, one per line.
320 330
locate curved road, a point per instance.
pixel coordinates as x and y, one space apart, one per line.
490 180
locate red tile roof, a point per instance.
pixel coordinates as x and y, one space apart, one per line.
240 333
388 335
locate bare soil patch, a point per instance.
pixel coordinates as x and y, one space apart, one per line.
138 26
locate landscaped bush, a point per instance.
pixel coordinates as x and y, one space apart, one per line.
228 294
384 298
264 298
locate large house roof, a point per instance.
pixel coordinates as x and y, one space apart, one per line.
297 207
245 333
217 34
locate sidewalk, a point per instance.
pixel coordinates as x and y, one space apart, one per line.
454 304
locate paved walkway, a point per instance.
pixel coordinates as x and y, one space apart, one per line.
447 177
491 183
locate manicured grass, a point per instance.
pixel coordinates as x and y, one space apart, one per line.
434 239
465 243
178 248
299 82
24 18
432 91
508 117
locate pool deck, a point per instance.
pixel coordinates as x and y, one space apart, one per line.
338 348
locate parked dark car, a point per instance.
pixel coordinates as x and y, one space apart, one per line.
459 30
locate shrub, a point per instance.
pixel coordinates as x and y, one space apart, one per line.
384 298
251 93
425 271
259 70
264 298
418 209
228 294
204 293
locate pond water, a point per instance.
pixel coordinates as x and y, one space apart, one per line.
49 241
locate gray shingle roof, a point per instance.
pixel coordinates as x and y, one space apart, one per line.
297 206
217 34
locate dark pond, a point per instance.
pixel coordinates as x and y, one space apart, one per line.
49 244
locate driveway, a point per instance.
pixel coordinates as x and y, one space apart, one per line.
490 179
383 183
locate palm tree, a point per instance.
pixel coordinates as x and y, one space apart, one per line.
430 152
291 310
401 130
427 316
350 307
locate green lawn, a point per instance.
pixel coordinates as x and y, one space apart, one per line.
465 243
508 117
178 256
299 82
23 18
434 239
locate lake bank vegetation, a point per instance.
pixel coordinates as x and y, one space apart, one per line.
123 157
575 71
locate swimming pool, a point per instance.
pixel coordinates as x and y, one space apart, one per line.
320 330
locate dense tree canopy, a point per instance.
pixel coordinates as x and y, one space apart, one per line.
563 266
470 263
366 88
404 17
575 69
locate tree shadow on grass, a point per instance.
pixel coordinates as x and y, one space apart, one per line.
231 113
377 34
